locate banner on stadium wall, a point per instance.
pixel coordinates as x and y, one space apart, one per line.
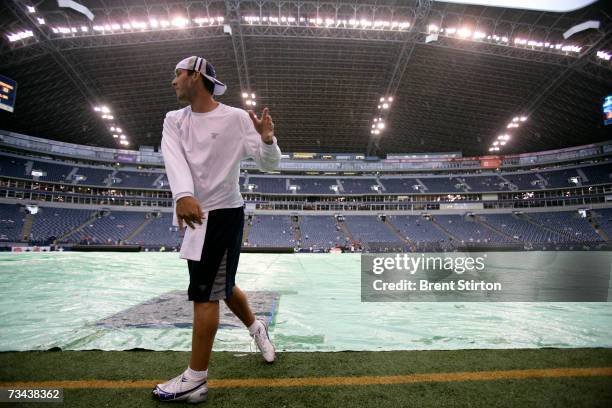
490 162
31 249
125 158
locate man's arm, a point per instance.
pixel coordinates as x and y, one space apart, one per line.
179 175
259 141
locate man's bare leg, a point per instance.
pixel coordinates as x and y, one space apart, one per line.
205 324
239 305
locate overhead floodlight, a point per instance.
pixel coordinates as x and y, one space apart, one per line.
464 32
20 36
382 99
245 95
180 22
253 95
503 142
381 125
84 29
122 137
604 55
97 108
523 118
390 99
495 143
112 128
115 136
31 9
40 20
118 130
385 105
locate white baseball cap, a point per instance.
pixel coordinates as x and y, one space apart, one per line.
205 68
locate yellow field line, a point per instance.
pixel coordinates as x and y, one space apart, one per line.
335 381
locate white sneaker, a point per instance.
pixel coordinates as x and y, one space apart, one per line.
262 339
180 388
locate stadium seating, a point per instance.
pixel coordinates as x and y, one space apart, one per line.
135 179
111 228
519 228
270 185
93 176
368 229
11 222
468 230
321 232
596 174
399 185
53 223
159 232
441 185
570 226
271 231
358 186
313 185
523 181
13 167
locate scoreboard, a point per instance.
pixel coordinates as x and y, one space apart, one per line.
8 92
607 110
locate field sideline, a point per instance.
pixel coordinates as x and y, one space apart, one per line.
475 378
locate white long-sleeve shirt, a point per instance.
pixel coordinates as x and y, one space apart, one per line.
202 154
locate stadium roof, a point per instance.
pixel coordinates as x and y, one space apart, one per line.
458 74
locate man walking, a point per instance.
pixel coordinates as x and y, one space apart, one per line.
203 145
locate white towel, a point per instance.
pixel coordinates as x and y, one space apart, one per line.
193 241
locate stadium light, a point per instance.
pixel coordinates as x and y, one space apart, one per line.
180 22
604 55
20 36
